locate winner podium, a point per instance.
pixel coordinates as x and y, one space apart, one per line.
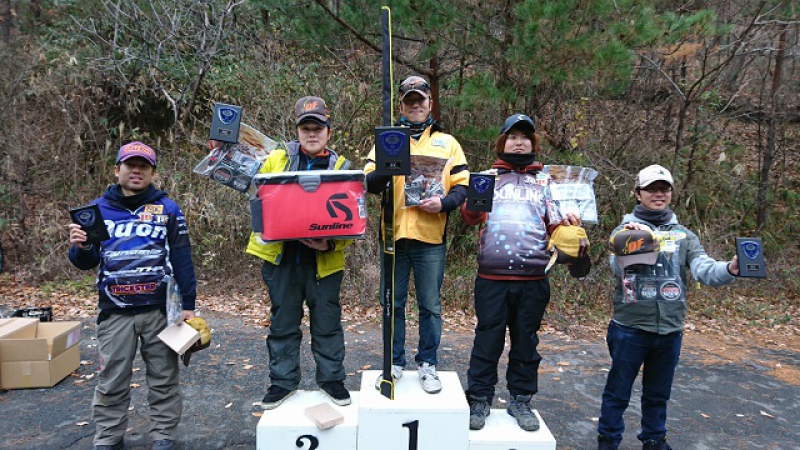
414 420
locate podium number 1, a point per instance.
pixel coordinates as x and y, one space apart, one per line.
413 434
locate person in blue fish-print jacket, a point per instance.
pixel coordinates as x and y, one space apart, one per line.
149 243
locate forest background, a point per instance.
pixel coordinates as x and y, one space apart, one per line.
709 89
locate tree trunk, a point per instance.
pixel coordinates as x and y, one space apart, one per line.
5 20
770 148
436 110
36 15
682 113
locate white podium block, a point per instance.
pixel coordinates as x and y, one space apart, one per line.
287 427
414 420
503 433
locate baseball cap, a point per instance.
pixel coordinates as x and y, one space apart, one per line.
312 109
566 243
520 120
136 149
651 174
415 84
634 247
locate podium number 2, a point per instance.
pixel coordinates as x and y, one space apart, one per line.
413 434
312 440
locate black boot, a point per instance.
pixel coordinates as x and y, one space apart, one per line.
656 444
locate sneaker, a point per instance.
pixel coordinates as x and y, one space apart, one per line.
428 378
397 373
336 391
478 411
606 443
164 444
275 396
118 446
656 444
520 408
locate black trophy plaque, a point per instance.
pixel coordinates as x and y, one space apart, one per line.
91 221
480 192
225 123
751 258
392 150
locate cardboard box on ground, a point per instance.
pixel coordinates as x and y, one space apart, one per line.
35 354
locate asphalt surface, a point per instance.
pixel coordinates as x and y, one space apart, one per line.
716 404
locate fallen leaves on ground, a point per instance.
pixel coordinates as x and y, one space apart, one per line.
249 301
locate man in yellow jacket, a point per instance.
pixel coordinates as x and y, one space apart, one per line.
438 185
306 269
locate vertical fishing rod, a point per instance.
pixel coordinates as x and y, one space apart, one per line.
388 266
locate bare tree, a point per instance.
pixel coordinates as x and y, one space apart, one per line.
170 44
769 150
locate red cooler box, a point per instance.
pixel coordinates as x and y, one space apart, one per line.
317 204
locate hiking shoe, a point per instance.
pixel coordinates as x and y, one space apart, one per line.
428 378
275 396
520 408
118 446
164 444
606 443
397 373
656 444
478 411
336 392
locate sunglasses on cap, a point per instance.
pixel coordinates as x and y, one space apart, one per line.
414 84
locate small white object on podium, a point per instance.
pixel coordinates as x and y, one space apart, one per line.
287 426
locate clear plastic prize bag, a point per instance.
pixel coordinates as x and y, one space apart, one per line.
425 180
174 302
572 190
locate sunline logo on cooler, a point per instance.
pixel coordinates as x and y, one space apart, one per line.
333 203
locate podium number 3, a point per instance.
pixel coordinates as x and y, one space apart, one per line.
312 440
413 434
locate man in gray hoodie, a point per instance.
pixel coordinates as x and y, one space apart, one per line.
651 254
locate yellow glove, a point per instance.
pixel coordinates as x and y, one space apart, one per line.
205 338
570 245
200 325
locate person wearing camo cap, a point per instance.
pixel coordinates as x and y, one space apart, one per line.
421 211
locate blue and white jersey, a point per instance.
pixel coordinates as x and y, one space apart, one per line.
135 262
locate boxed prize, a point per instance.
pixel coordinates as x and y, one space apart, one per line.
35 354
317 204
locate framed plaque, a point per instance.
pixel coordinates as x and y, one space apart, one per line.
225 123
480 192
751 258
91 221
393 150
